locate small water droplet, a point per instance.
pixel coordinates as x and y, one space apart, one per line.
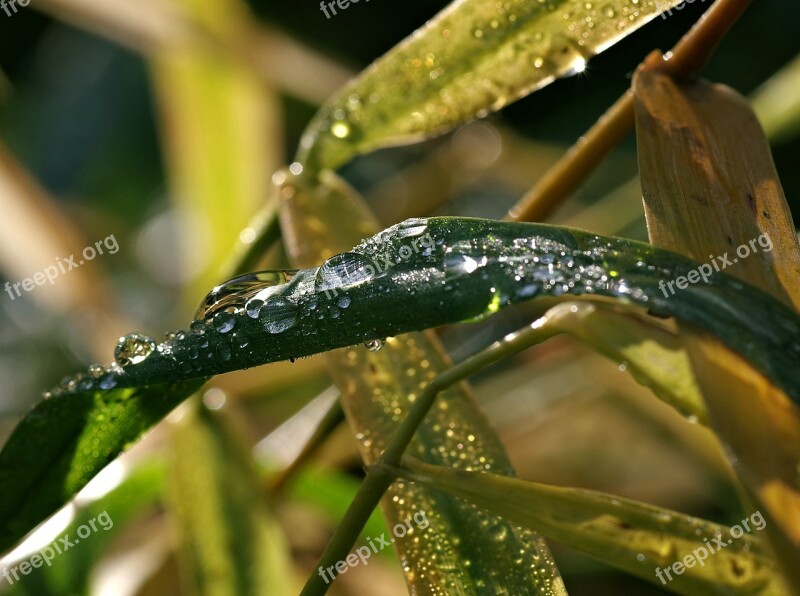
278 315
96 370
374 345
224 322
108 382
253 307
133 349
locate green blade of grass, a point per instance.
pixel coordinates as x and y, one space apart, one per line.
457 278
230 543
474 57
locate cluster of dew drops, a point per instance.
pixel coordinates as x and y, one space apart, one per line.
255 295
262 296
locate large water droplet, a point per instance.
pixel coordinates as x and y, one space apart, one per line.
278 315
133 349
236 292
342 272
411 228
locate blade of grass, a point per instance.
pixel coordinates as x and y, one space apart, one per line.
630 535
687 58
474 57
377 389
707 193
230 542
777 103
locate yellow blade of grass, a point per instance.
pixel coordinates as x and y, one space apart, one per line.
654 355
629 535
777 103
230 541
463 550
221 129
710 187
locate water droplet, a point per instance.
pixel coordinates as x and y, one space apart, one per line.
343 271
253 307
133 349
224 322
108 382
236 293
374 345
344 301
96 370
410 228
278 315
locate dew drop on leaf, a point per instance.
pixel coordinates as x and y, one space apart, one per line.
374 345
133 349
278 315
108 382
237 292
343 271
96 371
225 321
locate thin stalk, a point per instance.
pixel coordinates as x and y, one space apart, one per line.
687 58
567 175
379 479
